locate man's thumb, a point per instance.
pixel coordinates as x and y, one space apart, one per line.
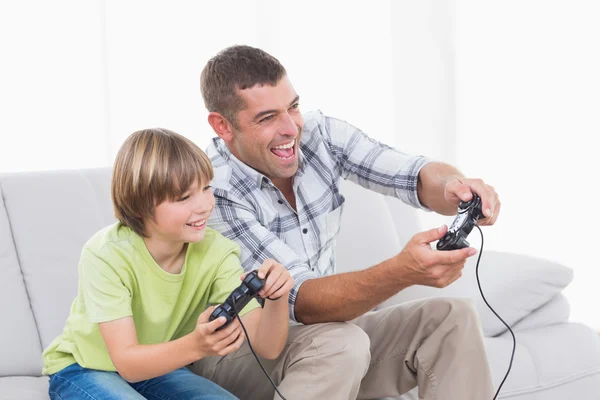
433 234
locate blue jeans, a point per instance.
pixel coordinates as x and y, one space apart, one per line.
76 382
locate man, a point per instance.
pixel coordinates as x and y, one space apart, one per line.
276 188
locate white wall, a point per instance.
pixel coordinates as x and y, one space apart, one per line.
509 91
528 102
155 52
52 85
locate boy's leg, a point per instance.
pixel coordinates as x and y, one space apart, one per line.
181 384
75 382
320 361
435 343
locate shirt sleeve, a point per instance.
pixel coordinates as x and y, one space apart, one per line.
106 297
371 164
239 223
226 281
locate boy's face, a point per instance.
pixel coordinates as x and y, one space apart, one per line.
269 130
182 220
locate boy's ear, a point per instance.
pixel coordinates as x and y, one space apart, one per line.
221 126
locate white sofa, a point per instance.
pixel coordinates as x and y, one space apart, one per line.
46 217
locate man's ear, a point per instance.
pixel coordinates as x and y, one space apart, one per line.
221 126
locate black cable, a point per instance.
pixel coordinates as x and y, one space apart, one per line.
495 313
255 356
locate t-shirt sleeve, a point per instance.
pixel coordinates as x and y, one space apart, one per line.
227 280
105 295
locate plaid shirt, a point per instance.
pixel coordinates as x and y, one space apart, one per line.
253 212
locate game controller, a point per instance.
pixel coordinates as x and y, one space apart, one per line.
238 299
468 214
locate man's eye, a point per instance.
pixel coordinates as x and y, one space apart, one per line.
295 106
266 119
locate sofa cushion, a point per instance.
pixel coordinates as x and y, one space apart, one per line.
24 388
556 311
515 285
547 358
19 340
53 214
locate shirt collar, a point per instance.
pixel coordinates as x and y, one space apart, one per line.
248 171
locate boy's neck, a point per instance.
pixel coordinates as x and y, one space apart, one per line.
170 256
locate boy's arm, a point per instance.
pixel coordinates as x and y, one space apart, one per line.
271 330
268 328
136 362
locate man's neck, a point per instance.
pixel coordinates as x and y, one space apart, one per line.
286 187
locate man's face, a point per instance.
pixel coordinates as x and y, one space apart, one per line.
269 130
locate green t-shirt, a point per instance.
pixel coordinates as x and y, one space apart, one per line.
118 278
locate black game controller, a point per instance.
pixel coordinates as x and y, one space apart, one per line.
238 299
468 214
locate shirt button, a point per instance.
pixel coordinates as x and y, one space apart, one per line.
280 201
304 230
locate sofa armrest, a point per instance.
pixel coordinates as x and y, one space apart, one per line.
515 285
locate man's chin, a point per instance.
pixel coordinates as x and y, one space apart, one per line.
284 173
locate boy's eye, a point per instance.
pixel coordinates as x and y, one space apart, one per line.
184 198
207 188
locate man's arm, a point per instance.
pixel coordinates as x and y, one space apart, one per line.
431 185
343 297
441 187
415 180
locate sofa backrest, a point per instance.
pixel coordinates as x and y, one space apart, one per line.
19 340
52 214
373 228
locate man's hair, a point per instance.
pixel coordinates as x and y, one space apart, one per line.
236 68
154 165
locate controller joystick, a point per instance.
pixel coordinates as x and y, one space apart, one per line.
468 214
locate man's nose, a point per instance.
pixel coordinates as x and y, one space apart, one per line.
288 127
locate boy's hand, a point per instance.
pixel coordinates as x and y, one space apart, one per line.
278 280
211 342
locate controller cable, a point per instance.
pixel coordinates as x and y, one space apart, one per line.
512 356
255 356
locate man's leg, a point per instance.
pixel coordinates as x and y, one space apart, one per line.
321 361
435 344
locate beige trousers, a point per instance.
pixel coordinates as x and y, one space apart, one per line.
435 344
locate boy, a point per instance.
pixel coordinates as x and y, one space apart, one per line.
140 314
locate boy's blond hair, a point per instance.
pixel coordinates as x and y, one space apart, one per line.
154 165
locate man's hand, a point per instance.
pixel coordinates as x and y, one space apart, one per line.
461 189
425 266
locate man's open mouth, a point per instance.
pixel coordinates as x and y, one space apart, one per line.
284 151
